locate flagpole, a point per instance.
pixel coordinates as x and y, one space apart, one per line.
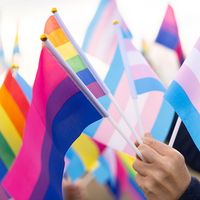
175 132
128 73
88 94
100 82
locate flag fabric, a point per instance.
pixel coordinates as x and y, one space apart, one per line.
155 113
65 47
3 194
183 93
13 111
16 51
3 65
101 29
58 114
168 34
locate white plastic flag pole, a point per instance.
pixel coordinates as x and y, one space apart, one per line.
100 82
78 82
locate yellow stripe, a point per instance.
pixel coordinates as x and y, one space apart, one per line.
9 132
87 150
58 37
67 50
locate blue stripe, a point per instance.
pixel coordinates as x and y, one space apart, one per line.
91 28
177 97
86 76
163 122
16 50
167 39
24 86
148 84
3 169
76 168
112 80
102 173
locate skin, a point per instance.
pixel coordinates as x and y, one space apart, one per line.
73 191
163 175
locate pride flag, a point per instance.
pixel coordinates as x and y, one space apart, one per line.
58 114
184 94
3 64
168 34
155 114
13 111
101 29
3 194
70 54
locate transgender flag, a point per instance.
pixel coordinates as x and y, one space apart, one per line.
184 93
58 114
168 34
100 39
3 64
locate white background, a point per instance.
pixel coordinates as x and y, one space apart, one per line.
142 16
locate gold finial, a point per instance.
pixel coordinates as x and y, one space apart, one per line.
115 22
54 10
43 37
15 66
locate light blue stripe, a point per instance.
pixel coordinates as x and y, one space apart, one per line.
163 122
16 50
177 97
94 23
148 84
24 86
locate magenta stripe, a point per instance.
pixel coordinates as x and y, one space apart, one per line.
190 84
141 71
95 89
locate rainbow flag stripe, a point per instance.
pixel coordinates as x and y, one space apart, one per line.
13 110
58 113
67 50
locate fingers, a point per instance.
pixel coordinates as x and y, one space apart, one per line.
149 154
140 167
159 147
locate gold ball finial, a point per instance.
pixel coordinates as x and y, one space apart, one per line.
54 10
115 22
15 66
43 37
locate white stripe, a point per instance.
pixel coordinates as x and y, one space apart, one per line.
193 62
135 58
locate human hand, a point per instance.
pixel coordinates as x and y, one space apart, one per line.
163 175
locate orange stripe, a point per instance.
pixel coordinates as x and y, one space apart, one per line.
17 93
51 25
11 108
57 37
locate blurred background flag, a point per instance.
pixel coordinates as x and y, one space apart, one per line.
168 34
100 40
14 107
58 113
183 93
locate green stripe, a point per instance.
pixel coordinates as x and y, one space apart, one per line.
6 154
76 63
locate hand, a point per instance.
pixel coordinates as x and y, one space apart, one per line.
163 175
73 191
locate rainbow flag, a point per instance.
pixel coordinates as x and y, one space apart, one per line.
13 111
58 114
70 54
168 34
101 29
155 113
184 96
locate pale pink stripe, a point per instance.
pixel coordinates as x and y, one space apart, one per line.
28 159
197 45
151 109
100 28
141 71
129 46
191 85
